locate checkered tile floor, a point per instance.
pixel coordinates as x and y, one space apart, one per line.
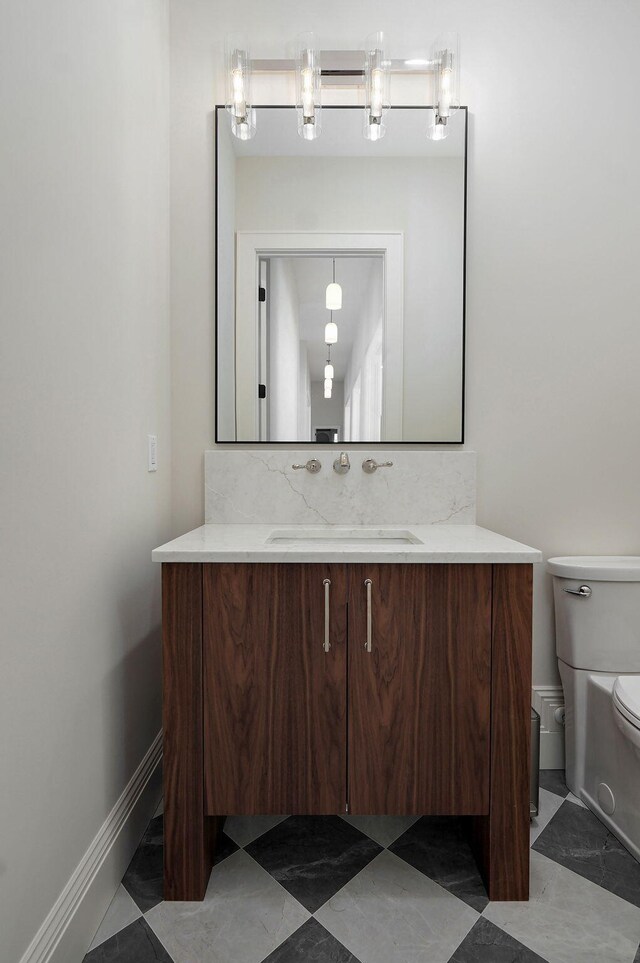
382 890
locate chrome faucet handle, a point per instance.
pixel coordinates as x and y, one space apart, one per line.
369 465
313 466
342 464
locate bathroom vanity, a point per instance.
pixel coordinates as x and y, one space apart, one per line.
320 664
335 670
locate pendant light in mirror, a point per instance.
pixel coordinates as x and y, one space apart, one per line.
330 331
328 374
333 296
328 368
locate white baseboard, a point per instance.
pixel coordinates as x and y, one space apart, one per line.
74 918
545 699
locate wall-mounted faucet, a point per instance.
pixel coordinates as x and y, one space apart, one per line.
342 464
369 465
313 466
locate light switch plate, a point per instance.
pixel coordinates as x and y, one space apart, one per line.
152 441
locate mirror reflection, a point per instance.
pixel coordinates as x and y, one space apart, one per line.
340 282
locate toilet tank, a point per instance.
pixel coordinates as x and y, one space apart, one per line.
601 630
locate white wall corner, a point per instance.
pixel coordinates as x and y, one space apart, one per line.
72 922
545 700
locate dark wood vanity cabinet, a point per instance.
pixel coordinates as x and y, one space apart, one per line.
275 703
420 700
361 688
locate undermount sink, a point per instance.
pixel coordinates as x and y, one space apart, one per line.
358 536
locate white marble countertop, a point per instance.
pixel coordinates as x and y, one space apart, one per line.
249 543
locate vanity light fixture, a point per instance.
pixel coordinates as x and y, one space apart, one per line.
308 88
327 387
446 60
243 123
333 297
376 87
369 69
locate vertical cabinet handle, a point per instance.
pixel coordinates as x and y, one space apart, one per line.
327 587
368 583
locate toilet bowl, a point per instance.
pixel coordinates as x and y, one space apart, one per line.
626 705
597 608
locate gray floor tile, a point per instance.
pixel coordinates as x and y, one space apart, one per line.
568 919
438 847
143 878
391 913
486 943
313 856
122 911
244 916
553 781
137 943
311 944
578 840
384 829
549 805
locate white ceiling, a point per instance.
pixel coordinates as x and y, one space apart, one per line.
312 274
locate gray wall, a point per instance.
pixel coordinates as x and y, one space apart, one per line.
84 376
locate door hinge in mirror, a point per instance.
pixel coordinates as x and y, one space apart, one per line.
262 294
262 391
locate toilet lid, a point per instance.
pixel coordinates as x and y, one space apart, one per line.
626 692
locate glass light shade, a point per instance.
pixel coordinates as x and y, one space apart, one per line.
445 55
308 88
330 332
328 371
333 299
327 387
376 87
437 129
238 70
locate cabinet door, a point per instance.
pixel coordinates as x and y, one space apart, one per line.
419 701
274 699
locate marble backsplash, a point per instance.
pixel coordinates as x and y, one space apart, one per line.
422 487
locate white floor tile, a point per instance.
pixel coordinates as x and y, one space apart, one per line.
244 829
570 919
383 829
122 911
391 913
245 914
549 804
574 799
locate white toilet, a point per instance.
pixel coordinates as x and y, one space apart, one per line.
597 605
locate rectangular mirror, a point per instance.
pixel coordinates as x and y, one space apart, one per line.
340 280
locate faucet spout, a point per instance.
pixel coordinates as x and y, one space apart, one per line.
342 464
